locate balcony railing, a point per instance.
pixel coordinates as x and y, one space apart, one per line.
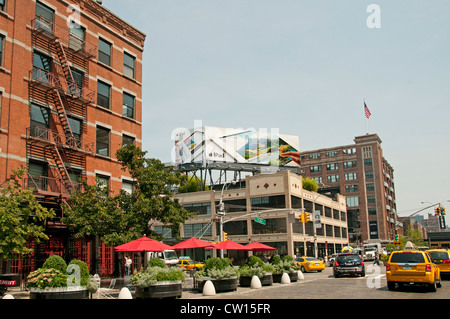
50 136
54 80
70 40
50 185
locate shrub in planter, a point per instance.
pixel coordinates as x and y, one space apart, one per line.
255 267
158 282
220 271
84 271
51 281
156 262
55 262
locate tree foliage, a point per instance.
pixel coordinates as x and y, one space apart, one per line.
310 184
124 217
21 217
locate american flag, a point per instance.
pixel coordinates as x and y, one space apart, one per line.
367 111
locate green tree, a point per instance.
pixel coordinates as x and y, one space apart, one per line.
21 217
125 217
310 184
152 199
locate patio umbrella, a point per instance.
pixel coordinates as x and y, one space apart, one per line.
255 246
230 245
143 244
192 243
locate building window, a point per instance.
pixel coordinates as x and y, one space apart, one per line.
75 126
351 188
193 230
39 121
129 65
38 172
350 164
103 94
102 181
350 176
42 66
333 178
128 105
332 167
45 17
331 153
272 226
370 187
127 140
200 208
127 186
102 141
104 52
367 162
369 174
367 152
314 156
318 180
268 202
76 37
315 168
373 229
2 5
371 199
352 201
372 210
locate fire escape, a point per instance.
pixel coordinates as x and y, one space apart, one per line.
54 85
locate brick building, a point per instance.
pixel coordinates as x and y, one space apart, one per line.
366 178
70 96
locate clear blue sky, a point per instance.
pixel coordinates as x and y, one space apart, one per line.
304 67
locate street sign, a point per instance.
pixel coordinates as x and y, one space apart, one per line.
260 220
442 222
317 221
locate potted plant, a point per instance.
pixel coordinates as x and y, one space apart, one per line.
255 267
54 280
221 273
281 266
158 281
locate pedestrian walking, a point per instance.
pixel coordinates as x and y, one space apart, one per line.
377 259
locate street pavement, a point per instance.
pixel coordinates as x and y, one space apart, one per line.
315 285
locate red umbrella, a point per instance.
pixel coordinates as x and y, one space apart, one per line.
255 246
192 243
229 244
143 244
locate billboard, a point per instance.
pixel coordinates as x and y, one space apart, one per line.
234 145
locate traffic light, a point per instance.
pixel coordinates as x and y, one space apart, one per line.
442 210
224 236
437 211
396 238
301 218
307 218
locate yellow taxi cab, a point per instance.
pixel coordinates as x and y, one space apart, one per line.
441 257
309 264
412 267
189 264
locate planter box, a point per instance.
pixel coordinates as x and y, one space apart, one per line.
266 280
158 291
228 284
59 294
292 275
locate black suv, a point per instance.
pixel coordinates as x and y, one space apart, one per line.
348 264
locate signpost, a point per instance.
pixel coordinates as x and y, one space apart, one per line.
260 220
317 221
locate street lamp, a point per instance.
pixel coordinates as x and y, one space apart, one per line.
221 212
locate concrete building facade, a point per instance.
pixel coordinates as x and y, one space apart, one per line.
276 199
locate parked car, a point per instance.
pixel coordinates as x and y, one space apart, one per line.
348 264
412 267
309 264
441 257
190 264
332 259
